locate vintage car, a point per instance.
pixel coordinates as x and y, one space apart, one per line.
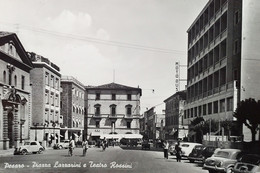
249 163
222 161
29 147
201 153
186 148
64 144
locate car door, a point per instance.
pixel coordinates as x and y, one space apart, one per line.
33 147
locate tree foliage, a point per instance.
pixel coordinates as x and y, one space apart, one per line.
248 113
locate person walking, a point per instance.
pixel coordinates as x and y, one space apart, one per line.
178 151
71 146
165 149
85 147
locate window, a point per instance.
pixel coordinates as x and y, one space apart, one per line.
10 77
128 125
15 81
52 81
113 110
47 78
57 83
236 46
97 109
204 109
230 104
215 105
113 96
23 81
209 108
222 105
97 124
4 76
129 110
97 96
46 98
129 97
236 17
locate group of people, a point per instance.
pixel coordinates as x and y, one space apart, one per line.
72 146
177 149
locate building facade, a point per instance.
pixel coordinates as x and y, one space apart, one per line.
223 59
72 108
214 60
45 79
174 116
112 109
15 92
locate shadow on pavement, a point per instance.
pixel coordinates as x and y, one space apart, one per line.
140 148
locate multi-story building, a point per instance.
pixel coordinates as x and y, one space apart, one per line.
72 108
112 109
223 59
153 125
45 79
174 116
15 92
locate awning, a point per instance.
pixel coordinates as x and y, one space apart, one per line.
110 136
61 136
76 135
96 134
132 136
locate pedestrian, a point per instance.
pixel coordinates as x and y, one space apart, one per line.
71 146
165 149
178 151
85 147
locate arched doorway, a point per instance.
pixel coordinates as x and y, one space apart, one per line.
11 129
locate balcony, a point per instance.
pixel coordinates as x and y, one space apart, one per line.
128 117
112 117
97 116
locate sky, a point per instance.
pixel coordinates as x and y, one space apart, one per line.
129 42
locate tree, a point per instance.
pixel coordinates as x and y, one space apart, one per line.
197 126
248 113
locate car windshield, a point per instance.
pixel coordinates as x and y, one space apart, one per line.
223 154
199 147
27 143
252 159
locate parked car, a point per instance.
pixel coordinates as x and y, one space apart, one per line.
91 144
146 145
201 153
249 163
64 144
222 161
186 148
29 147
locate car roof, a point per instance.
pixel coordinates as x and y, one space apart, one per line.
229 150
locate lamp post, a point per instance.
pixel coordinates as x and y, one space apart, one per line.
53 125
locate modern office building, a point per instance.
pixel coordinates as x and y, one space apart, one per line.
45 83
174 116
72 108
223 59
112 109
15 92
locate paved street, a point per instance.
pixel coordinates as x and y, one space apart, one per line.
112 160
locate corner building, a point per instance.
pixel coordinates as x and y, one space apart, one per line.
112 109
214 61
72 108
15 92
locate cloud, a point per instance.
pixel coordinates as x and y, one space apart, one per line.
69 22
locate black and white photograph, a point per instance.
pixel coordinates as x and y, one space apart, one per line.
136 86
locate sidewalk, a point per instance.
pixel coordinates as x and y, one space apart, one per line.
7 152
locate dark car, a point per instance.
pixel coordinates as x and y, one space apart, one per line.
223 160
146 145
201 153
249 163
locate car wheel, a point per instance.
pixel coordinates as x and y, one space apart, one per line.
229 170
191 161
40 151
24 152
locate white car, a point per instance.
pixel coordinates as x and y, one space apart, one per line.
29 147
64 144
186 148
